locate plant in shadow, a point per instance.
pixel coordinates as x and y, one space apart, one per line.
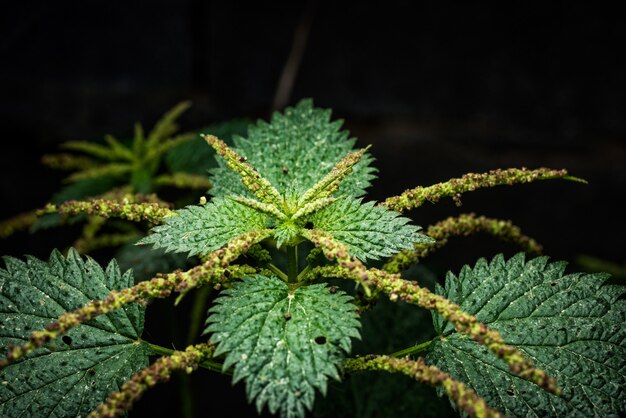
287 218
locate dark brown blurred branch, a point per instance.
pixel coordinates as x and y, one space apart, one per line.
290 70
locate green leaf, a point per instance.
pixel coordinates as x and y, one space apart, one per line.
369 231
166 126
387 328
78 370
284 343
85 188
571 325
196 156
199 230
294 151
285 232
147 262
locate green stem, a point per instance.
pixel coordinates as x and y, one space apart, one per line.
206 364
186 397
412 350
197 313
157 349
302 275
292 263
278 272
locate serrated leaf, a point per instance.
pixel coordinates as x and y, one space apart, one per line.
195 156
387 328
369 231
199 230
90 361
571 325
284 232
166 126
147 262
284 343
294 151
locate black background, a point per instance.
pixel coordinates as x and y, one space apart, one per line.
439 89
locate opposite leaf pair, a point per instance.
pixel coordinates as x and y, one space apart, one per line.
295 200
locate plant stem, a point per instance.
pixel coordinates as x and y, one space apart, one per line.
302 275
197 313
185 394
157 349
412 350
281 275
292 263
206 364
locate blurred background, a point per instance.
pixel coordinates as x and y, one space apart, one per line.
439 89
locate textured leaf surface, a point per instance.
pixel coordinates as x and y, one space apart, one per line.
284 343
294 151
201 229
89 362
369 231
572 326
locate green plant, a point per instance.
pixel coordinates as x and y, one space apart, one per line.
285 221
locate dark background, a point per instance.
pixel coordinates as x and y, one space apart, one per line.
439 89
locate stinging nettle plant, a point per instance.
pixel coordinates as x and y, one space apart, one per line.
286 219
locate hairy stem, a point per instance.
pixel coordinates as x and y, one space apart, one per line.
464 397
462 225
416 197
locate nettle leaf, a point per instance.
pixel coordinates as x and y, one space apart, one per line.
78 370
294 151
284 343
201 229
369 231
147 262
194 156
571 325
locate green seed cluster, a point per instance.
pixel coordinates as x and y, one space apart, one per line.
416 197
118 403
466 399
215 270
408 291
463 225
151 212
250 177
330 183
